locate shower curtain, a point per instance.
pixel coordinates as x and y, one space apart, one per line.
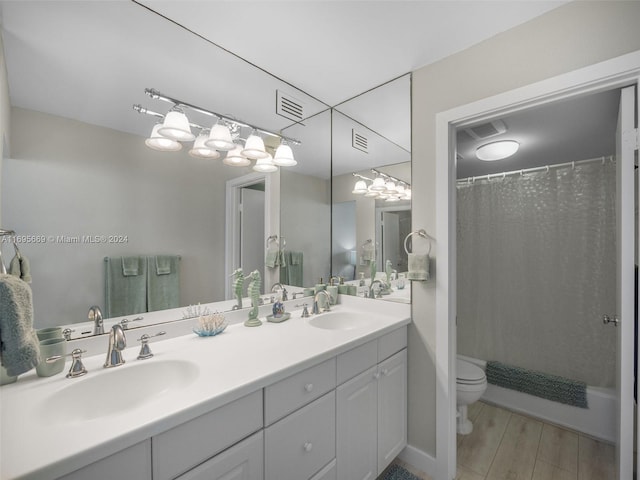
536 259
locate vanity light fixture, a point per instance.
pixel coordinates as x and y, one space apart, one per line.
200 149
265 165
378 184
499 150
360 188
389 188
224 135
161 143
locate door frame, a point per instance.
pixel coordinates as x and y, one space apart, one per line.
271 222
615 73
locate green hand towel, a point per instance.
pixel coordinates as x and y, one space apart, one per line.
271 258
124 295
131 266
163 264
163 289
20 350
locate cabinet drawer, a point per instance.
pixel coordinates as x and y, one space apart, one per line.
132 462
244 461
357 360
327 473
392 343
297 390
185 446
299 445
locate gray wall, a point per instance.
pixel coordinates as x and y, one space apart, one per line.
305 205
69 178
573 36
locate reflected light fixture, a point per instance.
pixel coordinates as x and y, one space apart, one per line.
254 147
220 138
200 149
265 165
383 187
235 158
378 185
497 150
360 188
161 143
284 156
176 126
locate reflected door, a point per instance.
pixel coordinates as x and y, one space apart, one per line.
252 231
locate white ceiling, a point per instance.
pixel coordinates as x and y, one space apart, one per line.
91 60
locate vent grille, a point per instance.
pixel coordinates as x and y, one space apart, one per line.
486 130
359 141
289 107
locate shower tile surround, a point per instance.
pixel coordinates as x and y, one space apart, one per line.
282 349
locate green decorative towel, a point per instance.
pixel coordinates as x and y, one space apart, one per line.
124 295
19 348
131 266
163 264
551 387
282 261
163 289
272 258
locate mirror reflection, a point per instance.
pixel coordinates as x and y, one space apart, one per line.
79 185
371 139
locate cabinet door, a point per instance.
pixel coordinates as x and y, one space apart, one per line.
392 408
356 419
244 461
132 462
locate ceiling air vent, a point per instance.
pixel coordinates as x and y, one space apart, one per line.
359 141
289 107
486 130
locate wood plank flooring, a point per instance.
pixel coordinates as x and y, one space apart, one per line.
509 446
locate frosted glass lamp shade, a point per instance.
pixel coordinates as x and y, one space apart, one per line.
161 143
390 186
265 165
497 150
176 127
371 193
400 188
220 138
378 185
254 148
200 150
360 188
284 156
407 194
235 158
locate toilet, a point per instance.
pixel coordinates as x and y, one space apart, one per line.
471 383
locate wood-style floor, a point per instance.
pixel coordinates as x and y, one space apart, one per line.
510 446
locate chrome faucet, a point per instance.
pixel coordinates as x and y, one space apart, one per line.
327 305
372 292
95 316
117 343
279 286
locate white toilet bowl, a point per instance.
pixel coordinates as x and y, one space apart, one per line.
471 382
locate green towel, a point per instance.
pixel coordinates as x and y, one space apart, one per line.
20 350
163 289
282 261
272 258
131 266
124 295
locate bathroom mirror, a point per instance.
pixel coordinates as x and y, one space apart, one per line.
371 131
80 185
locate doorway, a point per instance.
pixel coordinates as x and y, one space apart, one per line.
598 78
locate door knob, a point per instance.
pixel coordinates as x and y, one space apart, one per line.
606 319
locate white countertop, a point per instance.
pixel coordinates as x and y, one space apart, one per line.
35 444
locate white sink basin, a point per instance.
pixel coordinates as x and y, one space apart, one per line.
340 320
114 390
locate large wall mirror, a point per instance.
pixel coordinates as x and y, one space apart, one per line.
80 185
371 137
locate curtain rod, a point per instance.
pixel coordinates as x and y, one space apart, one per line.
546 168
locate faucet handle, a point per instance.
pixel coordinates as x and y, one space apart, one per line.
77 368
66 333
145 351
305 310
125 322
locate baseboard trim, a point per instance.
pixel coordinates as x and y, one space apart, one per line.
419 460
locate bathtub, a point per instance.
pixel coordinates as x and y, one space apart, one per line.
599 420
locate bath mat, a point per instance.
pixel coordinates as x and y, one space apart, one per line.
551 387
396 472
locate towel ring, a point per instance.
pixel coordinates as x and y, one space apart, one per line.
274 238
421 233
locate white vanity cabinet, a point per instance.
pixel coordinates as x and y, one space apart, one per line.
371 416
132 462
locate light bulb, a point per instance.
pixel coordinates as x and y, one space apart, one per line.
161 143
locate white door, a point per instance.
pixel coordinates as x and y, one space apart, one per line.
357 427
392 408
252 236
625 221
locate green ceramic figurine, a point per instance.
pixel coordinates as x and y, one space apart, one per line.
254 293
238 285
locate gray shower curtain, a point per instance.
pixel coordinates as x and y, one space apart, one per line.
536 269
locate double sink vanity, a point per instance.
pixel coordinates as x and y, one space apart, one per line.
317 398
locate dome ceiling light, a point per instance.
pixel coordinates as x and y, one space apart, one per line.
499 150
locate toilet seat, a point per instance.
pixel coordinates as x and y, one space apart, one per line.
469 374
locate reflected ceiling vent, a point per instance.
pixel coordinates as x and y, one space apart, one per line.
487 130
359 141
289 107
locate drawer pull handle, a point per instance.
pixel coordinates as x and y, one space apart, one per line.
308 446
308 387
